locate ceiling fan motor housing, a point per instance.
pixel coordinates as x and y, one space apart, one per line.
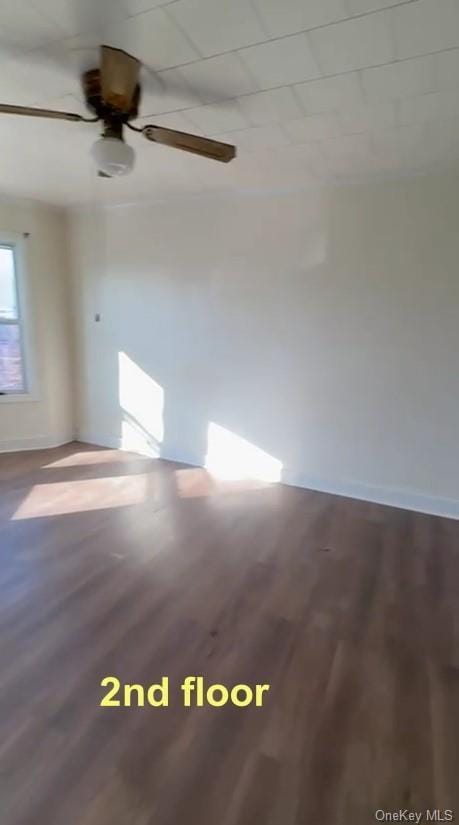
92 89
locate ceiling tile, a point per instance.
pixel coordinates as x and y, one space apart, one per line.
273 106
314 127
366 118
426 26
23 27
290 16
133 7
218 78
175 120
26 79
218 117
258 137
424 145
353 44
330 93
154 38
65 103
301 157
434 106
401 79
78 16
442 138
386 151
448 69
70 57
365 6
216 26
281 62
401 141
166 91
274 168
348 145
349 154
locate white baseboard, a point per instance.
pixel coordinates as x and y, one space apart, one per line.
413 500
99 440
116 442
38 442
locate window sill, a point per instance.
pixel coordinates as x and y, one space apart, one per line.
17 398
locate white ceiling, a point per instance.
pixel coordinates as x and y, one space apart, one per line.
310 91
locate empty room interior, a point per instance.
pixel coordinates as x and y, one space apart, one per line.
229 412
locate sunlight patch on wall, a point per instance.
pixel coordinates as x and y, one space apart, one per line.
142 402
230 457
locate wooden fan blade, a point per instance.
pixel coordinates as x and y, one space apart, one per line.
206 147
119 74
32 112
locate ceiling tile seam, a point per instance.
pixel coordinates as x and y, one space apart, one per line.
259 18
211 105
49 20
183 32
345 132
424 123
271 39
393 30
311 80
315 57
249 73
361 86
298 98
146 11
436 71
300 83
275 150
61 40
361 131
283 132
293 141
255 150
373 148
236 52
254 125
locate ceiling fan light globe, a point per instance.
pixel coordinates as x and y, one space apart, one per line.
113 156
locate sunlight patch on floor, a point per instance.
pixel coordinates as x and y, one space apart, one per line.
199 483
83 495
82 458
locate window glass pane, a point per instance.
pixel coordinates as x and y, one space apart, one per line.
8 304
11 373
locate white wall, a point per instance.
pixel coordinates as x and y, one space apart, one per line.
323 328
47 420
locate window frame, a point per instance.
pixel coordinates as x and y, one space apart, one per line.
16 241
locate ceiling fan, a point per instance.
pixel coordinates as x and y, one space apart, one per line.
112 92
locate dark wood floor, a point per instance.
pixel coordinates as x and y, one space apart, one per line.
117 565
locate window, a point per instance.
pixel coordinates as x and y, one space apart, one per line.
13 374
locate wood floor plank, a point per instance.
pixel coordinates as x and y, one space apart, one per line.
114 564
